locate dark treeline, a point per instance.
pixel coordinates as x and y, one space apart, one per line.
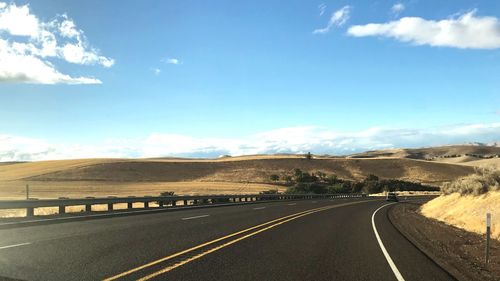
300 182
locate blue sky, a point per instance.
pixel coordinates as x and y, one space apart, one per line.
203 78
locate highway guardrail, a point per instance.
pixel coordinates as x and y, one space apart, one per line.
161 201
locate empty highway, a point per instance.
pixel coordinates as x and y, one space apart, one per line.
339 239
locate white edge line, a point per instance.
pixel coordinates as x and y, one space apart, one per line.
195 217
259 208
386 254
291 204
15 245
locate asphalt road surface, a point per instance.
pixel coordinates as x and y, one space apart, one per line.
339 239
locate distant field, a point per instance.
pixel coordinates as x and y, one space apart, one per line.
434 153
248 174
78 189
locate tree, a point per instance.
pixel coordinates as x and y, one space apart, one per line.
321 175
371 177
274 177
309 156
332 179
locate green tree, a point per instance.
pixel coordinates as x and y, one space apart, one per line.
332 179
274 177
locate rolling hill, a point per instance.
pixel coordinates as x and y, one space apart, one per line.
233 174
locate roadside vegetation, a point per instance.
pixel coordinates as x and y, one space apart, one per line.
300 182
466 201
483 180
466 211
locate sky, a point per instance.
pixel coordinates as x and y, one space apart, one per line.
82 79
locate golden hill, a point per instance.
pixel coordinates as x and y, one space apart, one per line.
256 169
101 177
440 153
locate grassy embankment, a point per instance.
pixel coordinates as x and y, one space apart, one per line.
466 201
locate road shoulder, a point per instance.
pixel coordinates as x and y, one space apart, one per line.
458 252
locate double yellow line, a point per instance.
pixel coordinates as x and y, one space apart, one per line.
254 230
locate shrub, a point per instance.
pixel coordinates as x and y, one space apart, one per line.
332 179
270 191
307 188
167 193
274 177
482 181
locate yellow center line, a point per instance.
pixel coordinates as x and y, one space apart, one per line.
169 268
269 224
200 246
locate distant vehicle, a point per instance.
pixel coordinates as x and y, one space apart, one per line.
391 196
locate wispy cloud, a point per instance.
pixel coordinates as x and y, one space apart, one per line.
315 139
338 18
156 71
464 31
397 8
27 44
322 8
171 61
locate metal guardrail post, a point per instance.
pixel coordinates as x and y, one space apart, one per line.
88 208
30 211
62 209
110 206
146 204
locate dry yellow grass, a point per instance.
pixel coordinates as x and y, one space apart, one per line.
16 171
466 211
246 174
251 170
79 189
432 152
494 162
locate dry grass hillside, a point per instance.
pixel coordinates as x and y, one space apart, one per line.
467 200
466 211
255 170
435 153
100 177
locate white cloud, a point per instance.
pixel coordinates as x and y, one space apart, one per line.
315 139
397 8
172 61
465 31
18 20
16 66
338 18
67 28
322 8
27 44
156 71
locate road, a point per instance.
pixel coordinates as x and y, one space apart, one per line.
300 240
